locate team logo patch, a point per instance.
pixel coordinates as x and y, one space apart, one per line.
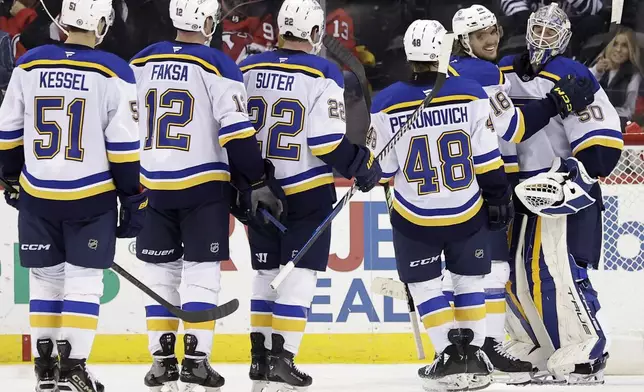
214 247
479 253
92 244
132 248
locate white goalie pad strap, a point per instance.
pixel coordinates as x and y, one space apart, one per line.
556 193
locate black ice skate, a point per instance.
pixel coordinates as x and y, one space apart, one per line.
259 362
74 376
164 373
282 369
46 367
448 371
589 373
478 365
196 370
520 372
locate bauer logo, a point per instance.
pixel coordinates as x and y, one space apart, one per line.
151 252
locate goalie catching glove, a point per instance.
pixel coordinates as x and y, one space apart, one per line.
561 191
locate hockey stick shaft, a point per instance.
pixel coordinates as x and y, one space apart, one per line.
617 9
214 313
442 71
411 306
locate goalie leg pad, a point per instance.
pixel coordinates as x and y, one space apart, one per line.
292 305
434 310
202 283
45 304
164 279
262 303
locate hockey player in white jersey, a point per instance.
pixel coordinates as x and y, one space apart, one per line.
69 142
195 132
451 191
557 233
295 101
475 53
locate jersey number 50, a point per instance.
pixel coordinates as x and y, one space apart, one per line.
455 155
161 126
75 112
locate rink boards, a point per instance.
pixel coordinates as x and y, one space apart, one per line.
347 324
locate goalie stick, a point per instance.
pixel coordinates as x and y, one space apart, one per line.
440 80
616 12
200 316
342 54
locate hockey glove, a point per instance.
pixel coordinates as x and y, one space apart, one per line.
572 94
500 211
268 193
132 215
522 67
11 191
365 169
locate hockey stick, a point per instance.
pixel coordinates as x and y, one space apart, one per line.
200 316
340 52
615 20
440 80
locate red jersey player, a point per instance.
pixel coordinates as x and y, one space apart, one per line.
248 28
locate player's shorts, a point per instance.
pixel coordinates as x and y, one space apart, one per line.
198 234
499 246
88 242
420 261
271 252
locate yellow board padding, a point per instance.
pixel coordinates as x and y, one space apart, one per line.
316 348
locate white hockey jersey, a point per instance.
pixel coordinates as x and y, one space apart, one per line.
598 125
192 102
72 107
507 120
436 164
296 103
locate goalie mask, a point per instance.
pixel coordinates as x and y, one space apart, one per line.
548 34
88 15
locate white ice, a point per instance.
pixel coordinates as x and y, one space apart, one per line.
327 378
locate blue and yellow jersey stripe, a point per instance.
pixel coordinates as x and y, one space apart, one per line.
122 152
261 313
435 312
66 190
180 58
437 216
516 128
511 163
312 178
285 67
487 162
184 178
289 318
45 313
321 145
80 315
438 101
599 137
240 130
11 139
160 319
469 307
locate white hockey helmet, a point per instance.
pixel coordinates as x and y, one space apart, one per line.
191 15
87 15
423 40
299 17
469 20
548 33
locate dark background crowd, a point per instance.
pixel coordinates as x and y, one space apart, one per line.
371 29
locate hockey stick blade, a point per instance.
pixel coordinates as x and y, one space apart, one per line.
200 316
440 80
389 288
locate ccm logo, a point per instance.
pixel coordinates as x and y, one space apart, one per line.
429 260
157 252
35 247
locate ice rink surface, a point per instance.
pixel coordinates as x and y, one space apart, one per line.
327 378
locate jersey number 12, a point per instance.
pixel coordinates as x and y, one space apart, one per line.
161 126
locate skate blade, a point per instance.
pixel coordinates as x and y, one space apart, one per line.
171 386
586 379
453 383
477 382
546 378
46 386
199 388
259 386
282 387
519 378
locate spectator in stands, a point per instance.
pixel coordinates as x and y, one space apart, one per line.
585 18
20 15
619 72
6 62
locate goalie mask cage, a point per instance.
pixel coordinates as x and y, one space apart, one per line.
620 279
